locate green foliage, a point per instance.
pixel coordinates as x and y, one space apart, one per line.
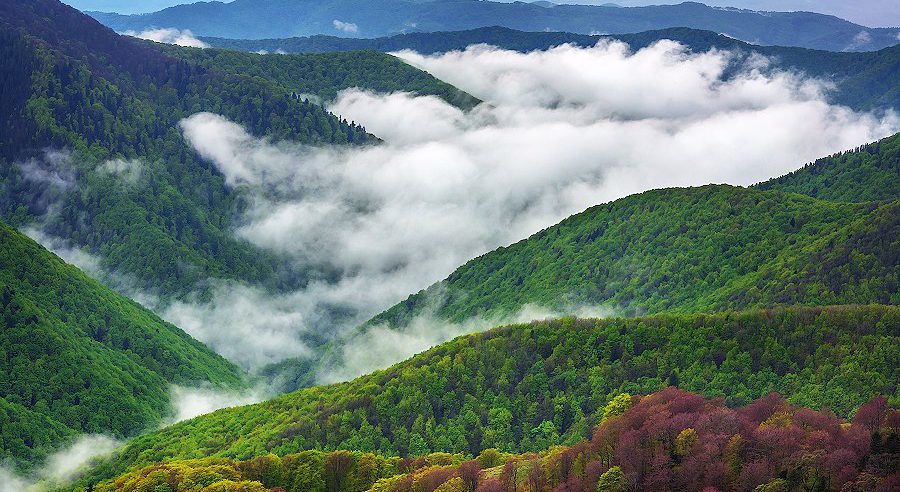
866 174
616 406
70 83
77 357
324 75
494 388
612 480
681 250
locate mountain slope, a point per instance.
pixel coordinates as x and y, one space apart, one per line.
324 75
130 189
863 80
285 18
679 250
526 386
670 440
76 357
868 173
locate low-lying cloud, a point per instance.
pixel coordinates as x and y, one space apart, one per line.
169 35
60 467
561 130
188 403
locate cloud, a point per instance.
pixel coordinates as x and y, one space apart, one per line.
169 36
60 467
188 403
347 27
380 346
562 130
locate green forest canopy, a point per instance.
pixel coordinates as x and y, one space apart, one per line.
76 357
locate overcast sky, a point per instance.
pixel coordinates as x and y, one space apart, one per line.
872 13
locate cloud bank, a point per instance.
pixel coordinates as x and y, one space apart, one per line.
169 35
562 130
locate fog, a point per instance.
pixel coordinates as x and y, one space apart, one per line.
562 130
169 35
61 466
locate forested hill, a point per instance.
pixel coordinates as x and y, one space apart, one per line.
868 173
252 19
864 80
324 75
681 250
670 440
526 387
76 357
112 102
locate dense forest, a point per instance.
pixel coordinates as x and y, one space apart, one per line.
869 173
670 440
526 387
76 357
324 75
866 80
111 101
681 250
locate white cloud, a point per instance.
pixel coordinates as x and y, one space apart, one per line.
347 27
188 403
561 130
60 467
169 36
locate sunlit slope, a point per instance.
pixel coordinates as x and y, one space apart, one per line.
76 357
681 250
869 173
669 440
500 388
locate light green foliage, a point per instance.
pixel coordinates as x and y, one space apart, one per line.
77 357
616 406
802 353
612 480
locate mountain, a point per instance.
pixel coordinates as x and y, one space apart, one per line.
866 174
254 19
76 357
524 387
863 80
670 440
108 108
680 250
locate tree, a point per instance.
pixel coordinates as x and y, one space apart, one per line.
613 480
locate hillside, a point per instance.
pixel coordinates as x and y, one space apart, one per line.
75 357
253 19
866 174
130 189
524 387
324 75
680 250
671 440
863 80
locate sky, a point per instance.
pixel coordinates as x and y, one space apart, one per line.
872 13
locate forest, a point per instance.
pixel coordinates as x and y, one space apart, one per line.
76 357
527 387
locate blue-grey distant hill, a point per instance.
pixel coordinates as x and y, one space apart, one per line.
864 80
257 19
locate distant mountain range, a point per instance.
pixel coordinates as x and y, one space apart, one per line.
254 19
864 80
